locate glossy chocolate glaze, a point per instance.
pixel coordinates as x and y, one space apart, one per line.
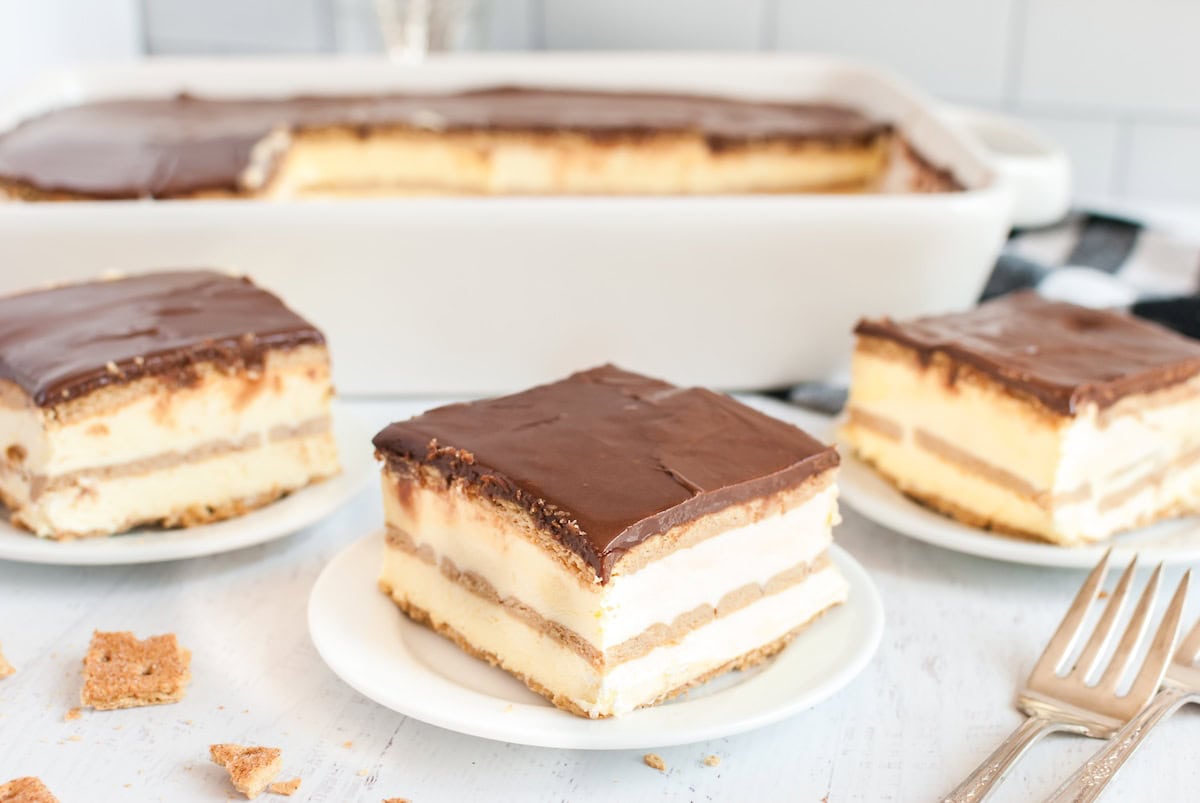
62 343
606 458
166 147
1062 355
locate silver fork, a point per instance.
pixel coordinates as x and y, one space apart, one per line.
1054 702
1180 686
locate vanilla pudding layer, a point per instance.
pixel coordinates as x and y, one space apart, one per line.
341 161
644 599
130 422
951 437
224 482
168 449
554 669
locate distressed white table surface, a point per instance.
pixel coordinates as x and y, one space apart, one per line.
937 697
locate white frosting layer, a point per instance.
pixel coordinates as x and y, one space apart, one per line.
553 665
477 540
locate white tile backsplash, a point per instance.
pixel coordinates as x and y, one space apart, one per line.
1117 82
1092 145
1128 55
239 26
652 24
953 48
1164 162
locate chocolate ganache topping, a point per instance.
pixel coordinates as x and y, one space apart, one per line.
1062 355
176 146
606 458
64 342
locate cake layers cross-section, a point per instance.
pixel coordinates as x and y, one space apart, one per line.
609 539
166 398
495 141
1032 417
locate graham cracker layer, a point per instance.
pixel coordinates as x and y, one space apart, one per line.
654 636
744 661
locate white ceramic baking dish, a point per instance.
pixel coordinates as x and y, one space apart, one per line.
462 295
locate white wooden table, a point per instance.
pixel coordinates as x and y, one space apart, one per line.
961 631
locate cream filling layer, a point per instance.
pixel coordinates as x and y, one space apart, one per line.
550 663
176 492
293 387
477 540
513 164
1069 478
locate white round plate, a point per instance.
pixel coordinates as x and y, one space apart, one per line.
864 490
150 545
408 668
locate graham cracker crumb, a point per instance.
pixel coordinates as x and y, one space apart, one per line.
396 800
6 668
26 790
74 713
347 744
712 761
75 738
286 788
119 671
250 768
656 761
363 773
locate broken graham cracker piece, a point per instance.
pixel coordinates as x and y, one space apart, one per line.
122 672
6 668
656 761
712 761
26 790
250 768
286 788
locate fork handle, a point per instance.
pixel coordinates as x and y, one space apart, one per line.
987 776
1089 781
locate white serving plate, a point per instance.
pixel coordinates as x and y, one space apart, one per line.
291 514
1172 542
404 666
464 295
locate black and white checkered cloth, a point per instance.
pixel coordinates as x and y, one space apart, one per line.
1092 259
1104 261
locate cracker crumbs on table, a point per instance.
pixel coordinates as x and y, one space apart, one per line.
396 800
119 671
363 773
73 713
712 760
347 744
656 761
286 788
6 668
26 790
250 768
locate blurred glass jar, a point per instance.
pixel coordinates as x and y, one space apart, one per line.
413 28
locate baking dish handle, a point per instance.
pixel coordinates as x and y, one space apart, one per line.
1037 169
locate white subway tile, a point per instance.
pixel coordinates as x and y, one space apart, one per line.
653 24
238 25
1113 54
1092 146
953 48
1164 163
